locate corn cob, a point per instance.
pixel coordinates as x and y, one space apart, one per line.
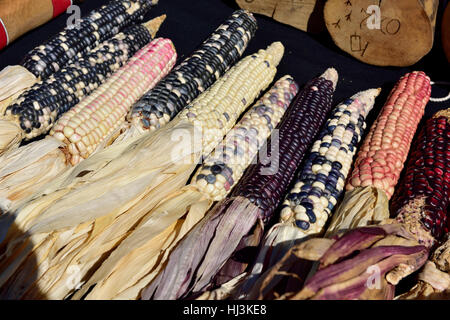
221 170
434 279
86 125
71 44
161 167
320 182
28 168
424 189
35 111
196 73
380 161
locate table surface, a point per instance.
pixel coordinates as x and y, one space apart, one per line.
188 23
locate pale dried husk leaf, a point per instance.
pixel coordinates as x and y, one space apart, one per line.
25 170
360 207
10 135
185 209
14 80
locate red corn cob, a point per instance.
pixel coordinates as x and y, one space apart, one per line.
425 187
382 155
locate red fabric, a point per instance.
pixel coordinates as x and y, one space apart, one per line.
60 6
3 35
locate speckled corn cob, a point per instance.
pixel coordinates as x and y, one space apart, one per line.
85 126
225 166
196 73
215 112
38 108
322 179
424 190
73 43
385 149
296 133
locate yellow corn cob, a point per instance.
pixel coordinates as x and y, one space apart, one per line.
87 210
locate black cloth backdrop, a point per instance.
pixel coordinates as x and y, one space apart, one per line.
307 55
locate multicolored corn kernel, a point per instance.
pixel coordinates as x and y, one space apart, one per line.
74 42
322 179
216 111
84 127
226 164
195 74
37 109
385 149
296 133
425 186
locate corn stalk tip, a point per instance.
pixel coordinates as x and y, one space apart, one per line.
154 24
10 135
332 75
276 50
13 81
443 113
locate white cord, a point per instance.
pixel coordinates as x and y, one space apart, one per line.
444 98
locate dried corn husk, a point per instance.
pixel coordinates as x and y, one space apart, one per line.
434 279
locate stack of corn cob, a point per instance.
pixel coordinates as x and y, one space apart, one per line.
194 75
257 195
87 127
382 156
70 44
409 233
258 121
146 250
104 214
319 185
401 247
34 112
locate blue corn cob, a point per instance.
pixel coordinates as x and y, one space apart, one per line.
322 180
